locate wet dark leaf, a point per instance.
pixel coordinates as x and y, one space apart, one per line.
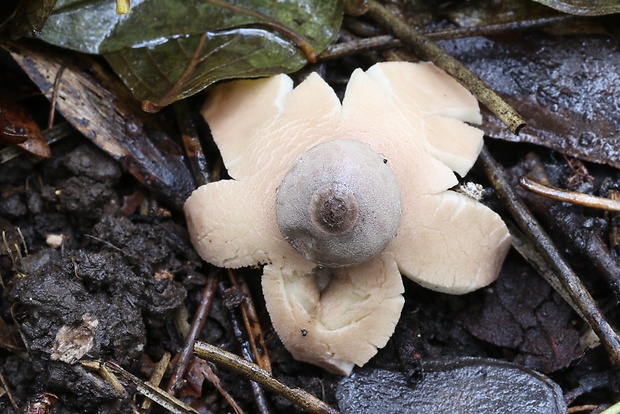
165 50
17 128
566 87
452 385
30 17
154 74
584 7
523 313
101 108
488 12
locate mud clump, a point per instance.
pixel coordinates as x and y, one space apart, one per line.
100 295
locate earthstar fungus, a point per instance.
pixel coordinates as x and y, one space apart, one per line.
303 163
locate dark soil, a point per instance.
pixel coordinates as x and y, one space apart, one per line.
116 280
96 267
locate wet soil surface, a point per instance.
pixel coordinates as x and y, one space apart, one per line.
87 277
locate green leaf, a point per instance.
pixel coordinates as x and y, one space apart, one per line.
165 50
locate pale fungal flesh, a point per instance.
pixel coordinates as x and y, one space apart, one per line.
342 323
410 114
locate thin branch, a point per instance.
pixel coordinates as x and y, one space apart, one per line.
156 394
191 142
338 50
246 352
200 317
156 377
250 320
573 285
573 197
239 365
7 390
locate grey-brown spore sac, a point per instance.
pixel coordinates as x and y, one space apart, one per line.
334 209
339 204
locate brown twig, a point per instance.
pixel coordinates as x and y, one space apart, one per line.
614 232
430 51
246 352
582 408
252 325
50 119
339 50
574 287
239 365
207 372
200 317
148 390
570 222
155 380
573 197
191 142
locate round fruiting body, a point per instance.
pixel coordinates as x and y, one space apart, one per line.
339 204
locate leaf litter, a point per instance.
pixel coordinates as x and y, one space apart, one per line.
527 337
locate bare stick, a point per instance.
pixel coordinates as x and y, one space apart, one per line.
573 197
575 289
200 317
252 371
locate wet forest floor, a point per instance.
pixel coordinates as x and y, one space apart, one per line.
88 243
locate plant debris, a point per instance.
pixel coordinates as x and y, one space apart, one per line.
103 299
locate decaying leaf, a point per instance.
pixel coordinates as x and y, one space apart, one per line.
490 12
534 323
72 342
17 128
165 50
101 108
452 385
566 88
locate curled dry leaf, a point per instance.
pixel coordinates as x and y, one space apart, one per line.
18 128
